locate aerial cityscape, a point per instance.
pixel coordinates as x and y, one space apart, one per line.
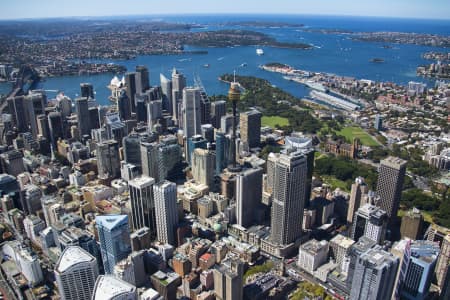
194 150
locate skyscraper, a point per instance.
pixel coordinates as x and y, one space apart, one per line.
203 163
109 287
228 280
218 110
16 107
82 111
178 84
142 203
75 273
166 88
87 90
248 195
250 128
34 103
194 142
374 275
359 188
114 237
412 223
108 161
288 172
355 252
205 108
132 149
149 160
422 262
443 264
55 125
369 221
166 210
130 83
123 105
390 184
234 95
222 152
144 78
191 112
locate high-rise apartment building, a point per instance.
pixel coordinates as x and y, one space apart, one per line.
390 184
288 173
248 196
75 274
374 276
250 128
166 210
114 237
142 203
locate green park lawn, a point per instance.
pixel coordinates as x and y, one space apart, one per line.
274 120
356 132
335 183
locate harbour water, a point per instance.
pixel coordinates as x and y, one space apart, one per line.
333 53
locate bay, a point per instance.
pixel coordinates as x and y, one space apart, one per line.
333 53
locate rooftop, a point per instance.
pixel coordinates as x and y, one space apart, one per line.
108 287
378 257
393 162
142 181
111 221
71 256
314 246
342 241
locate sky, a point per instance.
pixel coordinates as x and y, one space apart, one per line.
427 9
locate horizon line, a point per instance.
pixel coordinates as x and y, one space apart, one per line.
221 14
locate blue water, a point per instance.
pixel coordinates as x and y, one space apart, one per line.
334 53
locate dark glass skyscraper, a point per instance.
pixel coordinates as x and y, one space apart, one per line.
390 184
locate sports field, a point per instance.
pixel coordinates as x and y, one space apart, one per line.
274 120
356 132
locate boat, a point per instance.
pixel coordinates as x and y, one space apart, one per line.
377 60
315 86
243 65
259 51
206 66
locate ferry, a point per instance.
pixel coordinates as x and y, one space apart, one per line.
259 51
315 86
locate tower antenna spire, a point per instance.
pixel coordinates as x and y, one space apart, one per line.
234 76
